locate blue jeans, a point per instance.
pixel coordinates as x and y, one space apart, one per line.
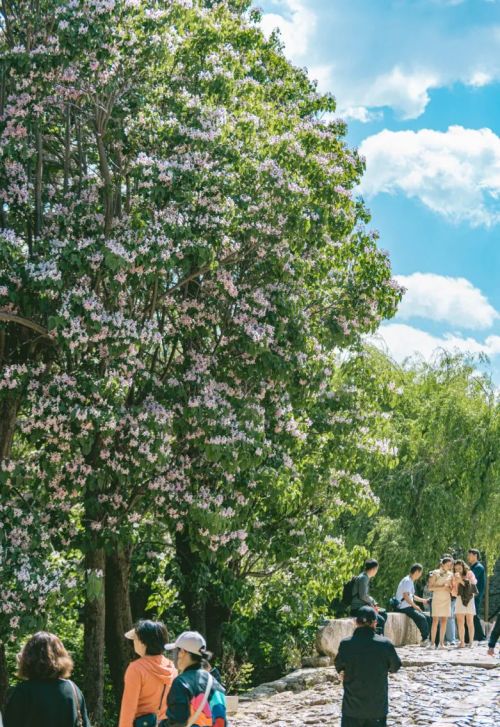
451 629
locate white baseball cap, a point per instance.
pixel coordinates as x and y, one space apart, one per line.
190 641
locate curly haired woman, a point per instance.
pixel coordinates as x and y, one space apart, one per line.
46 697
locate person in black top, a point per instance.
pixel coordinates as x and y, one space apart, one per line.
478 569
494 636
364 660
46 697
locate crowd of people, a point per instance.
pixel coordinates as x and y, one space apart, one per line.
452 600
453 591
185 691
180 692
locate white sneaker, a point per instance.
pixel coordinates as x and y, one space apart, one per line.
425 643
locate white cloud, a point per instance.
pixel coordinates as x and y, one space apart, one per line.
442 298
322 74
360 113
455 173
406 92
479 79
374 57
296 23
402 341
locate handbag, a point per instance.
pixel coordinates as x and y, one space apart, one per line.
151 719
467 591
201 707
79 718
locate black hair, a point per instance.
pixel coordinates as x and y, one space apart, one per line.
153 634
370 564
203 656
475 552
446 559
416 567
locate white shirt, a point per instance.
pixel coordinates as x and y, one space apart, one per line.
406 586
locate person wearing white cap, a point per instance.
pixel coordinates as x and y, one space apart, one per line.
147 679
196 699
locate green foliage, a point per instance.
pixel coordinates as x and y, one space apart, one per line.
440 494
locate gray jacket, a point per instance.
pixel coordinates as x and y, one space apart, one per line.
361 592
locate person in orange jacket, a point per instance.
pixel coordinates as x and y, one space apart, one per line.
149 678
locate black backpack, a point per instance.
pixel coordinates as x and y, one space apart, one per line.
348 592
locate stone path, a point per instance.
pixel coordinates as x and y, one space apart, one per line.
452 688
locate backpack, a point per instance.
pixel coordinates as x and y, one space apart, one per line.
394 603
348 592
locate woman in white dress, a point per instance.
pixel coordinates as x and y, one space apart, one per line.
464 581
440 583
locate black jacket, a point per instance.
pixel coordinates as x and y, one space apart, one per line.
191 683
366 659
44 703
479 572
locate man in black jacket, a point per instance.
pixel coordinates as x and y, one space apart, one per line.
478 569
364 660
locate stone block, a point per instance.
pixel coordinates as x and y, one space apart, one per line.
399 629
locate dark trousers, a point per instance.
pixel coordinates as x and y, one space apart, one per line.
354 722
495 634
381 619
420 619
479 634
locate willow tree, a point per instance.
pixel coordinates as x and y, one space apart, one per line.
183 260
440 491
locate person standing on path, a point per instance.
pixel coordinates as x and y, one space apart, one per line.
408 602
464 581
361 593
195 697
478 569
440 583
46 697
494 636
364 661
149 678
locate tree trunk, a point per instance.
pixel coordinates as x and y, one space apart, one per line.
94 634
8 419
217 616
119 650
4 676
191 595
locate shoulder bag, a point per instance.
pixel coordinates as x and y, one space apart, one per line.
200 709
151 719
79 718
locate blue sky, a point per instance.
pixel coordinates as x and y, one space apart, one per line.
419 83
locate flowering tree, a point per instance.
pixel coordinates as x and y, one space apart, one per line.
183 260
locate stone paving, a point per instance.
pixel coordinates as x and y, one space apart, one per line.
450 688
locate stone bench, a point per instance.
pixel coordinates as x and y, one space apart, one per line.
399 629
